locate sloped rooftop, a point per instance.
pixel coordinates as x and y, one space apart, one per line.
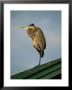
50 70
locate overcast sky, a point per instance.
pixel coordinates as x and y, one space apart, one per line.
23 55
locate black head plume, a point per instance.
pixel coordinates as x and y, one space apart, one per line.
32 24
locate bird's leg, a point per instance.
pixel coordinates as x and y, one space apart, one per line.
39 60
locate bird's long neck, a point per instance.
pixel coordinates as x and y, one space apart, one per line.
31 33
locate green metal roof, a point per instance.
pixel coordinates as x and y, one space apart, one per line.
46 71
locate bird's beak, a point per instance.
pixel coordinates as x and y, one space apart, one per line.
21 27
26 28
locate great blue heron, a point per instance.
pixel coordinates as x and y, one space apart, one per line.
38 39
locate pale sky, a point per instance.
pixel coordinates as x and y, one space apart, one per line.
23 55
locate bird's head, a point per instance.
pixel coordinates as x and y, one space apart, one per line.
31 26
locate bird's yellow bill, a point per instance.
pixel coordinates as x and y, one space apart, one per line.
22 27
26 28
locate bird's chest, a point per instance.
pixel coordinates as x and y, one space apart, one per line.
34 41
